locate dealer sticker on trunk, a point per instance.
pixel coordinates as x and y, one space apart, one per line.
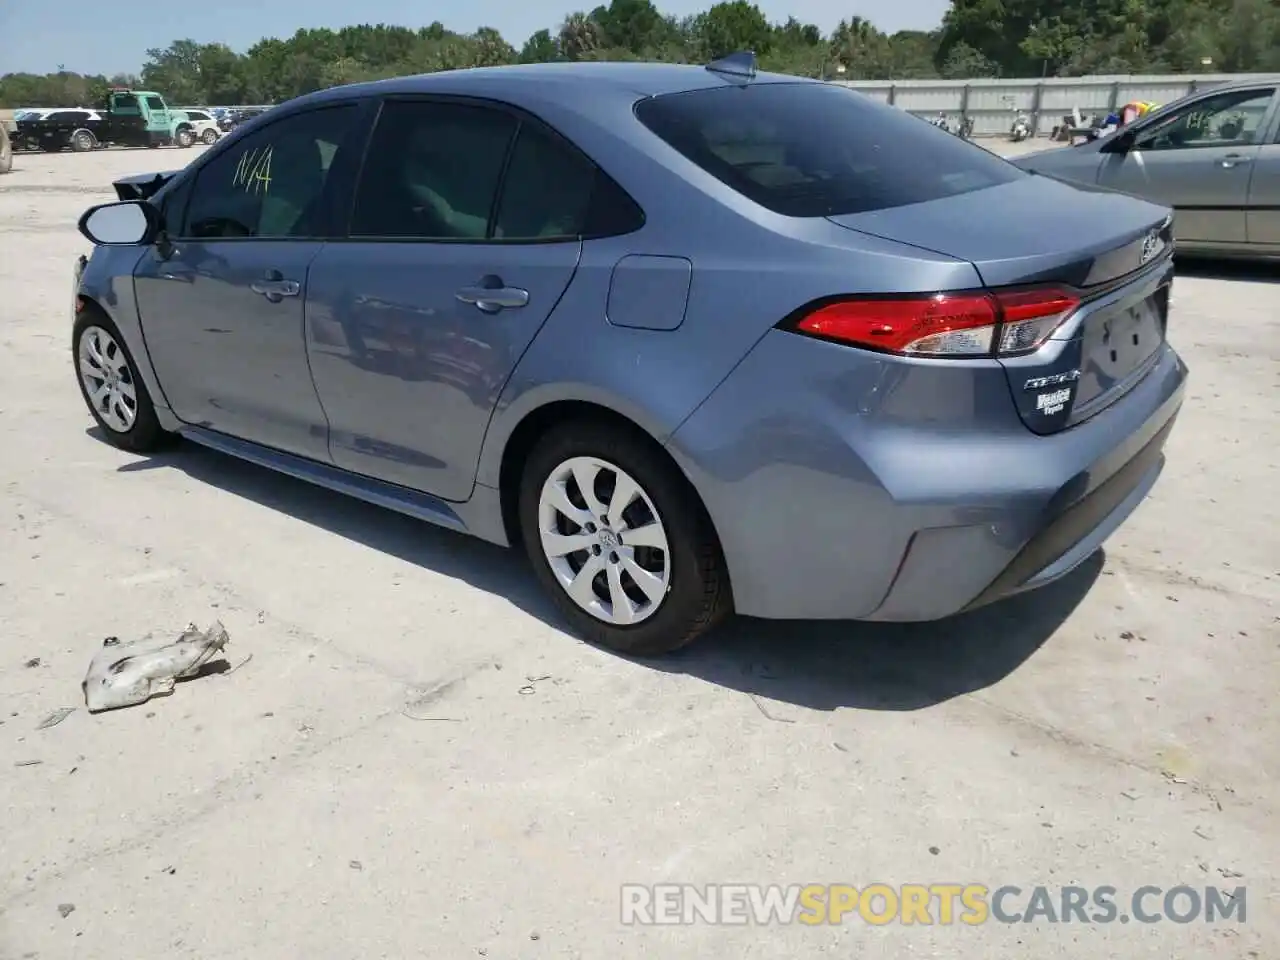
1054 402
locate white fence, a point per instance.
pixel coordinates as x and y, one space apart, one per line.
992 104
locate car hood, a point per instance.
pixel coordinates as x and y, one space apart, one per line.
1036 157
1032 230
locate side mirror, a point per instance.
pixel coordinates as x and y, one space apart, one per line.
129 223
1122 142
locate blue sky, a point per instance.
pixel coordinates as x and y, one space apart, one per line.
90 36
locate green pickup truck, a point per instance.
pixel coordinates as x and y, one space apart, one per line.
130 118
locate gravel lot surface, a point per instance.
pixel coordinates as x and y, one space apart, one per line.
417 761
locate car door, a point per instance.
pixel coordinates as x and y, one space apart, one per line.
221 302
1197 159
418 318
159 120
1263 214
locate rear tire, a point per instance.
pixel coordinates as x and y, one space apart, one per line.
643 584
112 390
83 141
210 137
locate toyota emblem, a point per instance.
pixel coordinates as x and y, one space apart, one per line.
1150 246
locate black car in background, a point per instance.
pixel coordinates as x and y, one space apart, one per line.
233 118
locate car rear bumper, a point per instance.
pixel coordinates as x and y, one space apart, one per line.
849 486
1078 531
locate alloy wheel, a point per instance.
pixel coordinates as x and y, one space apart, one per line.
108 380
604 541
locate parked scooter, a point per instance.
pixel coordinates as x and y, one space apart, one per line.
1021 128
941 122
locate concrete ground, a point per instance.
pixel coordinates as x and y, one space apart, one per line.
410 758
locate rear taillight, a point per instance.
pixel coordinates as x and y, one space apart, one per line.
1000 323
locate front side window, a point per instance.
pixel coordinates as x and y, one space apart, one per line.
432 171
1230 119
271 185
155 103
819 150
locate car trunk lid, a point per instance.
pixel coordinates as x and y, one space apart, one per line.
1112 252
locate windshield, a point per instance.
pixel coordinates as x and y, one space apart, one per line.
819 150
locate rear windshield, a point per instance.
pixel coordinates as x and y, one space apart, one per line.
819 150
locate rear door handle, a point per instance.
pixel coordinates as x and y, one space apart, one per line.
490 295
275 288
1234 160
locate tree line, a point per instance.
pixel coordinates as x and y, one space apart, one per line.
977 38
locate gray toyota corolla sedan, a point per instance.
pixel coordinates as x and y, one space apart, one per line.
699 339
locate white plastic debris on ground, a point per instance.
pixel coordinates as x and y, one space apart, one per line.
126 674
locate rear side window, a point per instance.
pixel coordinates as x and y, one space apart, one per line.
432 171
547 191
819 150
449 171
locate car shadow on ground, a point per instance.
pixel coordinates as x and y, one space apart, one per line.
821 665
883 666
1246 270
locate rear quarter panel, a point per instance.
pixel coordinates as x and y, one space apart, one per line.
751 269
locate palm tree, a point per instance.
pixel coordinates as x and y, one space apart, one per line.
579 36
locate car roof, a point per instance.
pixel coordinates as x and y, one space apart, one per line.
573 81
1263 80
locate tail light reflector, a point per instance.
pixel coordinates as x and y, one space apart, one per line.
998 323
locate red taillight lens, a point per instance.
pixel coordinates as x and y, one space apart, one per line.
944 324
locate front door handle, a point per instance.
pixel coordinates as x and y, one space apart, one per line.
275 288
1234 160
491 295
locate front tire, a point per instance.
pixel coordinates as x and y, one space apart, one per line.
618 538
185 137
83 141
112 390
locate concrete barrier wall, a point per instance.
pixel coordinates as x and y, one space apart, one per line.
993 103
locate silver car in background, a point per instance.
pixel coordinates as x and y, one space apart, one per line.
1213 156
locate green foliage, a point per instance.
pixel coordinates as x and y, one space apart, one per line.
977 38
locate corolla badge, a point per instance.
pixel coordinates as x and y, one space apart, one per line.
1057 379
